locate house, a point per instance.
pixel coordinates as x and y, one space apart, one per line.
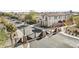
50 18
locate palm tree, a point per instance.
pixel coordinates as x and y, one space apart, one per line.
11 29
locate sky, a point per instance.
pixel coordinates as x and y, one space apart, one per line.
39 5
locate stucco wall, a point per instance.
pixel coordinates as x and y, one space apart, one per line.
52 19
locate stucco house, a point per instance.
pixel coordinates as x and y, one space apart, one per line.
50 18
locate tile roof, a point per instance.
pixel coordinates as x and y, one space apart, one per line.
54 14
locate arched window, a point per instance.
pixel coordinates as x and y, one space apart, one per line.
46 18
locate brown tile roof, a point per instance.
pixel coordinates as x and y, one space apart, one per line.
54 14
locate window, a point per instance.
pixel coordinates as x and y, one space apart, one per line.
46 18
55 17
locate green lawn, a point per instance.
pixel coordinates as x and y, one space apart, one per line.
3 37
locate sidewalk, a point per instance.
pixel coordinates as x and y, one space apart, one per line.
63 32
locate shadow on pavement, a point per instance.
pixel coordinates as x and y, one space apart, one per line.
18 43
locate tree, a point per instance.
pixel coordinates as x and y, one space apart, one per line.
28 17
69 21
71 18
76 19
11 28
31 17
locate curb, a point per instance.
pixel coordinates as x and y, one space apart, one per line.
69 35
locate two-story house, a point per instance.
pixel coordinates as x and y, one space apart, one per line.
49 19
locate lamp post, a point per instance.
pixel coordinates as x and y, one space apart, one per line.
34 33
24 31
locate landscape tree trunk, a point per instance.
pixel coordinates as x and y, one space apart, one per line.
11 39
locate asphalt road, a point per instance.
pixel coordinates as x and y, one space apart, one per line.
55 41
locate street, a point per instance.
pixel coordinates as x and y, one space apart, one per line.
55 41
